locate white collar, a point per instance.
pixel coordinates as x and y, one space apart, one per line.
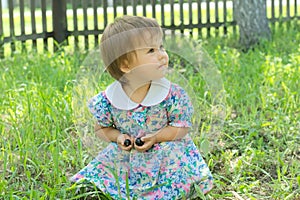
159 90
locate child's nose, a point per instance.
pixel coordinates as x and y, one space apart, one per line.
161 53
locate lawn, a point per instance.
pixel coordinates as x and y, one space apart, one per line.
254 154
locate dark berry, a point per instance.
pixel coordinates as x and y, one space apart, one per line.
127 142
139 142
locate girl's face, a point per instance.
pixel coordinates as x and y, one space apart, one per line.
150 61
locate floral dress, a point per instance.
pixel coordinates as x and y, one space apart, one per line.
169 170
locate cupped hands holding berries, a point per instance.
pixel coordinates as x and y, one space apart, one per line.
125 142
141 144
145 143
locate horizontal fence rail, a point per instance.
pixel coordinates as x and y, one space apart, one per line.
41 24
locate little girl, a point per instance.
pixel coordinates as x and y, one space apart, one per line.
146 119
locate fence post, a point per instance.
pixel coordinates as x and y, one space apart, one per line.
59 19
1 32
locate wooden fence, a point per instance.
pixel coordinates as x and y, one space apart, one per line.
41 24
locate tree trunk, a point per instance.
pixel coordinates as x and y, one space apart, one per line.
251 17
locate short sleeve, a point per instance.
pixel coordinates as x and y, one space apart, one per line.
180 109
100 107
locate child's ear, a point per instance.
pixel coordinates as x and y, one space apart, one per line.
125 66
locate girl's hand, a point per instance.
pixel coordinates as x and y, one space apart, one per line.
121 142
149 140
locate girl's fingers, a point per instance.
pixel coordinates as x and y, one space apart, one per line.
125 148
121 142
144 147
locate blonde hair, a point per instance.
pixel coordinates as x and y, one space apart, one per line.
121 38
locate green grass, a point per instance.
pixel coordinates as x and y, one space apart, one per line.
255 154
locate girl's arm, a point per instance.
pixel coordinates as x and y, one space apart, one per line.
166 134
110 134
170 133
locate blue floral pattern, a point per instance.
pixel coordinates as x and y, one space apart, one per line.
166 171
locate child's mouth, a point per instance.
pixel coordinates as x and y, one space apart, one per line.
162 67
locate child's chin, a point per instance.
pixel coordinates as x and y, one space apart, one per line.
158 77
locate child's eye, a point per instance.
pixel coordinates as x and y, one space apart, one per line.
162 47
151 50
